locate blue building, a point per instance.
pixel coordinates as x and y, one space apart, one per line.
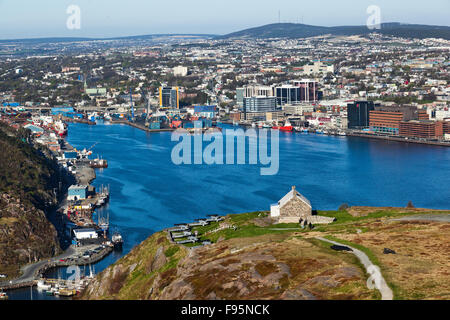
76 192
70 155
34 129
205 111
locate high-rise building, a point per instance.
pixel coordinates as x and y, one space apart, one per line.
358 114
169 97
252 91
309 90
260 104
287 94
300 91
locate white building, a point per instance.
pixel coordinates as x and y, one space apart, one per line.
180 71
317 68
82 234
299 109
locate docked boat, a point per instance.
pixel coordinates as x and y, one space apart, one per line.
67 292
287 127
117 240
60 128
98 163
103 223
41 285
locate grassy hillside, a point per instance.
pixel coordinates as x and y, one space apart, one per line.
255 259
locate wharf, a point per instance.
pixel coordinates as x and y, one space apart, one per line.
139 126
75 120
398 139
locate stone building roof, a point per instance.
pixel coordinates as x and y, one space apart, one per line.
291 194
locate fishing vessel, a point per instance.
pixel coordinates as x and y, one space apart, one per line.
287 127
117 240
41 285
103 222
60 128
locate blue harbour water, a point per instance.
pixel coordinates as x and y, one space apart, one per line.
149 192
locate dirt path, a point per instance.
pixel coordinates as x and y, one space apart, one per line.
373 270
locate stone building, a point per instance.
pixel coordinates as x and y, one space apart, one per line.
295 208
291 208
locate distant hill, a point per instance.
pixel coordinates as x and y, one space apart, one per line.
75 39
293 30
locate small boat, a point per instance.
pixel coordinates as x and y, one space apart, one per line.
67 293
3 296
287 127
267 126
42 286
117 240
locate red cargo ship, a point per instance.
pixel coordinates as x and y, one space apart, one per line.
286 128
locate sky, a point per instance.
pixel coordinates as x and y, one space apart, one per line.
111 18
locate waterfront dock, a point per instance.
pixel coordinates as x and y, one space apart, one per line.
142 127
398 139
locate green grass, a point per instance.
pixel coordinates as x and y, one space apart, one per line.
171 251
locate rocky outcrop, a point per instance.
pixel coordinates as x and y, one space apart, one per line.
26 235
29 178
241 268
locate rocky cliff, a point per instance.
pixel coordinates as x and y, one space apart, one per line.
28 179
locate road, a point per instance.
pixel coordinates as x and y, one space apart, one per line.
373 270
29 272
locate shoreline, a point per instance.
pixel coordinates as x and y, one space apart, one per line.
399 139
358 135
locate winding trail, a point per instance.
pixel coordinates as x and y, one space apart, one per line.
373 270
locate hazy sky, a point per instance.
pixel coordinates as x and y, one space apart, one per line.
106 18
